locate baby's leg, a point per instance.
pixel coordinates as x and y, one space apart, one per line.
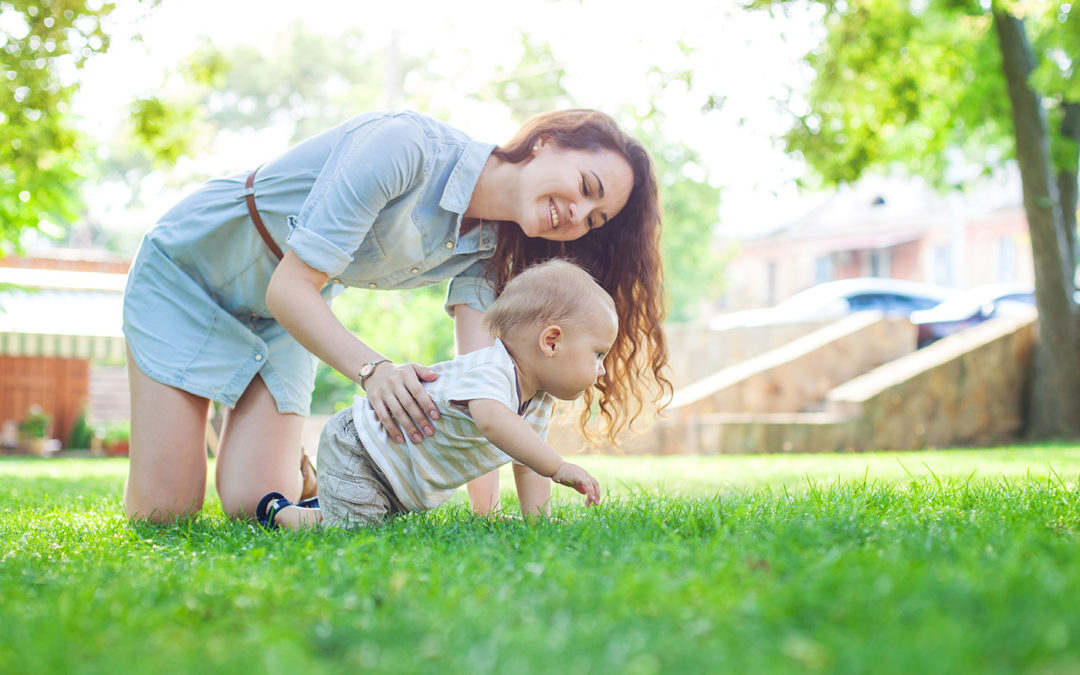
297 518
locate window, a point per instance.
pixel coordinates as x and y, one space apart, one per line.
1006 260
943 266
881 262
823 269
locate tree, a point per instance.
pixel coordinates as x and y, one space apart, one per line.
41 152
913 84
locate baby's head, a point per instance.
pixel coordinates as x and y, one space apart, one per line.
556 318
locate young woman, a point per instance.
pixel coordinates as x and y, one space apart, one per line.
228 297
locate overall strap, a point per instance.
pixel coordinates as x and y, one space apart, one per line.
255 218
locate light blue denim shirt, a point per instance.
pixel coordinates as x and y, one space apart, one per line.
375 203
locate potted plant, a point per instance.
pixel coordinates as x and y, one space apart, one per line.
34 430
116 437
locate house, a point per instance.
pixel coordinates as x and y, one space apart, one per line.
61 346
898 228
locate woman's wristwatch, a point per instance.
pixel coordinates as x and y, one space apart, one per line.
368 369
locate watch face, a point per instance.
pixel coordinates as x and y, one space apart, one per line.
366 369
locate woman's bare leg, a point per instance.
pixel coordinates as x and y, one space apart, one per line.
167 473
259 452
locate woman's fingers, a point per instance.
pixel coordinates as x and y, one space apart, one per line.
399 399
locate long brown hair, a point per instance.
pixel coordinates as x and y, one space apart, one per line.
623 256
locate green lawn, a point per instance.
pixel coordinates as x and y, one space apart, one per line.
935 562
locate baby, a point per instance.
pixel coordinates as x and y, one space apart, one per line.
553 325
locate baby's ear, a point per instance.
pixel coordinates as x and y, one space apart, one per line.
549 339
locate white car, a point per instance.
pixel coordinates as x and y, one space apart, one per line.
833 299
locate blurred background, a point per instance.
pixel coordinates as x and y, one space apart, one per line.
797 143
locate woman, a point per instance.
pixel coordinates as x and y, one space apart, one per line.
227 299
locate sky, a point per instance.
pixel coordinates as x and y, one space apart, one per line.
607 46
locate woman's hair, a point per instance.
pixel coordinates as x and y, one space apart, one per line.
623 256
556 291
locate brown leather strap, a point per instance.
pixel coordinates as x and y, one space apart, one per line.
255 218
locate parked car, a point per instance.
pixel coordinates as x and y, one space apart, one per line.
833 299
971 308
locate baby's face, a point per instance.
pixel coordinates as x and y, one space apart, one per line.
579 357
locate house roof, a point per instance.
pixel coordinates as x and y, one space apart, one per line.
61 313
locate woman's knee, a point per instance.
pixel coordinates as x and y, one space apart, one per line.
165 503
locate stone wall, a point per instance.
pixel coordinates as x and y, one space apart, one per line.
969 388
696 349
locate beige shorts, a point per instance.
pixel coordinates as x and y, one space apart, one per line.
352 490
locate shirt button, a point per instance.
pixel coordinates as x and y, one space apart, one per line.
449 244
415 270
372 285
258 357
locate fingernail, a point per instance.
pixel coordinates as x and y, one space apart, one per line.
399 439
434 414
416 438
429 431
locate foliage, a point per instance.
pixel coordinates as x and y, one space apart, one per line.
42 155
694 269
303 82
82 433
919 84
408 326
117 432
829 576
36 423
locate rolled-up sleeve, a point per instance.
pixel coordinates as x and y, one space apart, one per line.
373 164
470 287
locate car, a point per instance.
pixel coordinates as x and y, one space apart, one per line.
971 308
833 299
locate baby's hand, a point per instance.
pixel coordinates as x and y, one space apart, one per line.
572 475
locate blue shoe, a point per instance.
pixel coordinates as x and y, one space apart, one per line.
268 508
309 503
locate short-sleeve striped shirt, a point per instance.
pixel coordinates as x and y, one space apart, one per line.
426 474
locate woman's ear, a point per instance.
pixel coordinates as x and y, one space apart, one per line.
549 340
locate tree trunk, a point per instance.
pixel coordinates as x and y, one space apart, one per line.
1067 183
1055 399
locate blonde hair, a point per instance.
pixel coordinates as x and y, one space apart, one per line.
554 291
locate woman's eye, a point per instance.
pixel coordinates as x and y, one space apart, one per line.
584 187
589 222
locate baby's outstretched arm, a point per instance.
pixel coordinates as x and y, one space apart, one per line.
515 437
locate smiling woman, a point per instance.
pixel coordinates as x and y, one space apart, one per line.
228 298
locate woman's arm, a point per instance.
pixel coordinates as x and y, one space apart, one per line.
395 392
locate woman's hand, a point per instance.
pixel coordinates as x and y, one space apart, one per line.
400 400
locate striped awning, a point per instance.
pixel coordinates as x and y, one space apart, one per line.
61 315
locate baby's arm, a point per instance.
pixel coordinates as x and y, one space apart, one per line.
515 437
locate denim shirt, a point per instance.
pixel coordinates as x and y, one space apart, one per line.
375 203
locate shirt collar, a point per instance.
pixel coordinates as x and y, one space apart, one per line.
462 181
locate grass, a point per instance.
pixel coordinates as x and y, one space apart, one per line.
937 562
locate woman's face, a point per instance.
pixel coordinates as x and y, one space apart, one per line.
565 193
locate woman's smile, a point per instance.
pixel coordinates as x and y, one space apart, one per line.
554 211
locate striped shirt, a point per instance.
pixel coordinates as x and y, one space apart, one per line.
426 474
